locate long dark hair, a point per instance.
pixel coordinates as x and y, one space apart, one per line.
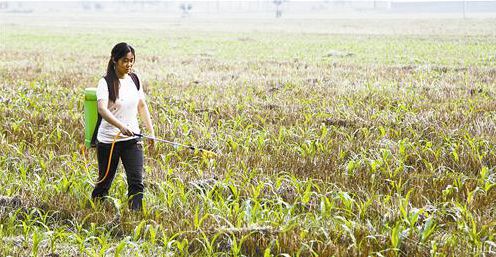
120 50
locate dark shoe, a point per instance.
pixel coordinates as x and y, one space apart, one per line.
136 202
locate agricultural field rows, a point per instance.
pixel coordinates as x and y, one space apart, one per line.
329 144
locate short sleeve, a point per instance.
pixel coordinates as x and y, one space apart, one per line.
102 90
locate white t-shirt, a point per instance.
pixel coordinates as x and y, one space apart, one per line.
125 109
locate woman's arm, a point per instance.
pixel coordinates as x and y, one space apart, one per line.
145 116
110 118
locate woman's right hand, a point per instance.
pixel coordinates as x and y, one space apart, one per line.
126 131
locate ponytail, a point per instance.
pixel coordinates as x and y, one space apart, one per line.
113 86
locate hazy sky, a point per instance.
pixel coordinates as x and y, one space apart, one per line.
237 0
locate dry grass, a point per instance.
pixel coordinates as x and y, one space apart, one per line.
386 152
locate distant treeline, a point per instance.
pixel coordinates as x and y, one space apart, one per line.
251 8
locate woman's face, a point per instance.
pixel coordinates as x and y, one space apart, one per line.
124 64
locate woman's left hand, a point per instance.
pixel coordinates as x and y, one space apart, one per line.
151 143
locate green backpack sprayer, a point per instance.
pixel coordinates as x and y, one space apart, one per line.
90 115
92 120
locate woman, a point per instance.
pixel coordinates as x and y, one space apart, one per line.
120 98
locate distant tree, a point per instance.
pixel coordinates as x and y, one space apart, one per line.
185 7
89 6
98 6
278 4
86 6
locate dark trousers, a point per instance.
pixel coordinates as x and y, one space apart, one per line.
131 154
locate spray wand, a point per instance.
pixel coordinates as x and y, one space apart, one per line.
175 144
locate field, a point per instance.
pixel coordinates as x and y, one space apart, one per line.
334 138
